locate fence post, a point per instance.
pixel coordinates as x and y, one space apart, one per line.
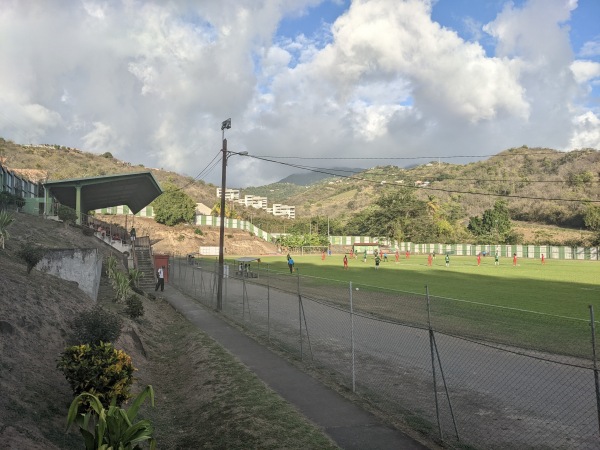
268 304
437 407
352 340
299 313
596 381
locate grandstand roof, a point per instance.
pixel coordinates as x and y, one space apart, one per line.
136 190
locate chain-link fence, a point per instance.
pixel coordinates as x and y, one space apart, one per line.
468 373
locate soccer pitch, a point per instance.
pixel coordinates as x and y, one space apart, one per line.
559 287
530 305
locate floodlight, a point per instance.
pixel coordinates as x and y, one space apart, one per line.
226 125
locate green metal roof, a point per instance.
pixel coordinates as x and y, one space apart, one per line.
136 190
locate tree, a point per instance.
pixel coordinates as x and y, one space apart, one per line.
398 215
494 226
174 206
591 219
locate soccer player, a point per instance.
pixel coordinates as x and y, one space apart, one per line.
543 260
496 259
429 259
478 259
514 259
447 259
323 256
345 262
397 255
377 261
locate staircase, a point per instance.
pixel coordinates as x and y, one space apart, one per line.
144 264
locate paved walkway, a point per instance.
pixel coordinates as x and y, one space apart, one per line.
349 426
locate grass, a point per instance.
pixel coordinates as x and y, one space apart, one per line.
541 307
212 401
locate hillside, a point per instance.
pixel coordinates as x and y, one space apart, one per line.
202 393
521 176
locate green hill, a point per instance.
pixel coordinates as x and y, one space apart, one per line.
531 180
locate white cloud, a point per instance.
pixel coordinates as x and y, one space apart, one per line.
151 81
585 71
590 48
587 131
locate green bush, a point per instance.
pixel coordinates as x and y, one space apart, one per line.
100 370
135 307
95 326
31 254
67 214
198 231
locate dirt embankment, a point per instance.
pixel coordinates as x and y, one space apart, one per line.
184 239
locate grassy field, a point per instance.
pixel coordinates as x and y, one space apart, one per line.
530 305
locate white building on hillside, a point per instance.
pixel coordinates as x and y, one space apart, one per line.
255 201
230 194
283 210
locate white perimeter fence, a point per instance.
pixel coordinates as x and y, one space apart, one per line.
470 375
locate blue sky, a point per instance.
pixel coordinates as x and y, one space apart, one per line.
151 81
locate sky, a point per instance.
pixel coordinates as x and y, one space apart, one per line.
319 83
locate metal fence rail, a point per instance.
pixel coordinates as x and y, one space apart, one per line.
476 388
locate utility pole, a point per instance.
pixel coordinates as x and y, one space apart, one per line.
225 125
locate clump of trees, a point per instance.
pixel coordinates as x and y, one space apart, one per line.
174 206
494 226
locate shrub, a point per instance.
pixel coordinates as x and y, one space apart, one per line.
101 370
5 220
135 307
67 214
135 275
107 155
112 427
96 326
31 254
198 231
121 286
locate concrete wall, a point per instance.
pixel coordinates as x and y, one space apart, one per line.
84 266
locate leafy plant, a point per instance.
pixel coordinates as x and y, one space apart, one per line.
66 214
135 307
31 254
198 231
121 285
111 266
111 428
5 220
95 326
135 275
101 370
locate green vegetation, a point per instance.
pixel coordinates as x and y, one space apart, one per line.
66 214
101 370
494 226
174 206
95 326
134 307
5 220
111 428
31 254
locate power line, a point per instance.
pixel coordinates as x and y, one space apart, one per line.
401 158
450 191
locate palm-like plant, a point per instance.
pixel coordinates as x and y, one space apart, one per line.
5 220
135 275
111 428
